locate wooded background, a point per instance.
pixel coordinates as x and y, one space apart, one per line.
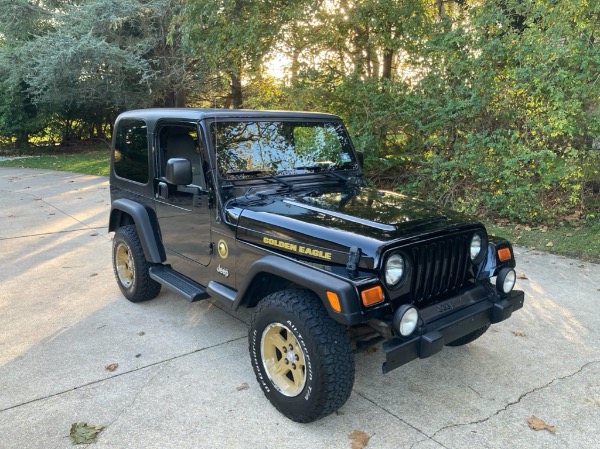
489 106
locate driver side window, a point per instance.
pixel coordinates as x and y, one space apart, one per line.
181 141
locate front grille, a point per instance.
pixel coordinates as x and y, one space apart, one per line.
439 267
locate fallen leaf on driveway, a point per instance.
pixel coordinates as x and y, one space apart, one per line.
93 274
111 367
522 276
93 234
519 334
359 439
84 433
243 387
536 423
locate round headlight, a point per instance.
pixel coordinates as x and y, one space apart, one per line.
405 320
475 246
505 281
394 270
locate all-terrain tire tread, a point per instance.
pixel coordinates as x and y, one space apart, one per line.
331 339
145 288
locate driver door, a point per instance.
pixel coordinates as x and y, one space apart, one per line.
183 212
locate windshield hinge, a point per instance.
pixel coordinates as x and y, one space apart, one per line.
353 260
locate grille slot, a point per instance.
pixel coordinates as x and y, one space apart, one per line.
439 267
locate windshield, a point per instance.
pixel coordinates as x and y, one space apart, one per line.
269 148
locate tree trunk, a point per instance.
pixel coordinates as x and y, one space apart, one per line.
236 99
99 130
388 58
22 140
180 97
440 8
295 67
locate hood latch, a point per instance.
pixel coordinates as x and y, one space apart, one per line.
353 260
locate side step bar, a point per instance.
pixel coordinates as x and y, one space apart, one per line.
175 281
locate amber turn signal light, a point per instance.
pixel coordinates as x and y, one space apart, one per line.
334 301
504 254
372 295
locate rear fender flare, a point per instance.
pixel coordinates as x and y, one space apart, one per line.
145 224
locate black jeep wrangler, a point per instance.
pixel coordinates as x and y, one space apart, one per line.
270 211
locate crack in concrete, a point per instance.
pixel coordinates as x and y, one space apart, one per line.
517 401
99 381
389 412
420 441
506 407
135 397
87 228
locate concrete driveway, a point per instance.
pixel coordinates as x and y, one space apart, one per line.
184 378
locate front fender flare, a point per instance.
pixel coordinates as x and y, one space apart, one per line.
311 279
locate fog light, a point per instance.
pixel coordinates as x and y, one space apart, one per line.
405 320
506 279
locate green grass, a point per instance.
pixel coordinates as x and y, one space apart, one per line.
580 240
90 163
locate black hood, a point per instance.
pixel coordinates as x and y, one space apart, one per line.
335 221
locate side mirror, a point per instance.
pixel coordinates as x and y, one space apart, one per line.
179 172
361 158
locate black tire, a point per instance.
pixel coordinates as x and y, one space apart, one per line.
470 337
131 267
320 367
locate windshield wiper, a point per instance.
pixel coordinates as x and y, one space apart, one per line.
244 173
320 170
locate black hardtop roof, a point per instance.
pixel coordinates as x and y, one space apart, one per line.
155 114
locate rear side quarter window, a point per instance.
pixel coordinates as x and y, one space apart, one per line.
131 151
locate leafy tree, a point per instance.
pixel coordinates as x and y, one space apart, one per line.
231 38
491 106
19 23
100 57
509 109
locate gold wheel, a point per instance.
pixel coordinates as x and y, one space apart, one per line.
283 359
125 266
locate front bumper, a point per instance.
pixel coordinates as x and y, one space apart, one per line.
437 331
